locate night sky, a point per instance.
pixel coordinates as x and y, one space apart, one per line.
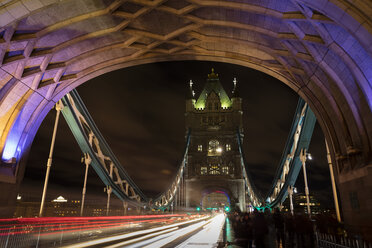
140 112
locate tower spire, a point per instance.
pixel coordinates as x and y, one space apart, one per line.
213 75
191 93
235 91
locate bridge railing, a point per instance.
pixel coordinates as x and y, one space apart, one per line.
324 240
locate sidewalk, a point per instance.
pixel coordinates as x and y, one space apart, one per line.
231 241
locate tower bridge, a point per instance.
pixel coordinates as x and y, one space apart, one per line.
321 49
213 164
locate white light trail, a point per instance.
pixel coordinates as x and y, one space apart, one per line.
175 235
121 244
132 234
209 236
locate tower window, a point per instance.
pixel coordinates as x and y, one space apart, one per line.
214 149
214 170
203 170
200 148
228 147
225 170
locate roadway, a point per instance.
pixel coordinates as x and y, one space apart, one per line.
173 230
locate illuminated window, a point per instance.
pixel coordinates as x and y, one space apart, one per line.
200 148
203 170
214 149
214 170
225 170
228 147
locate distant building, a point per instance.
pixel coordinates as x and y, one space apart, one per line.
300 204
62 207
214 177
58 207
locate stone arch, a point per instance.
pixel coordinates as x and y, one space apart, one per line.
321 49
218 190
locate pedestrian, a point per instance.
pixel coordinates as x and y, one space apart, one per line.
279 227
260 229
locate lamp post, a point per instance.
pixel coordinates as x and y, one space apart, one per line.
59 107
290 192
335 198
303 157
87 160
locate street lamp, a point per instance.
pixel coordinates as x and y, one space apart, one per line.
291 190
303 156
59 107
87 160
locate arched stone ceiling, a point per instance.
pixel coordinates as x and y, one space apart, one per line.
321 49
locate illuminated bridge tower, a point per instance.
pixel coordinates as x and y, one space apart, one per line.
214 177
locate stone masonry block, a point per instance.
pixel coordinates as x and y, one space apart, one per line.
4 2
32 5
17 10
48 2
333 12
5 17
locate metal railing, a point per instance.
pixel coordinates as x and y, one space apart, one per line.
324 240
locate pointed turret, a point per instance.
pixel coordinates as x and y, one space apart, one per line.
235 92
190 92
190 100
213 85
236 99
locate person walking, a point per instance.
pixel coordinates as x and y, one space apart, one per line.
279 228
260 229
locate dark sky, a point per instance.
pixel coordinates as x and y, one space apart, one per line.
140 112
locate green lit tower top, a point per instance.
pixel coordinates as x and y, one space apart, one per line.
214 109
213 85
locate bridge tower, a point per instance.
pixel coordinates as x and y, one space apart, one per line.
214 176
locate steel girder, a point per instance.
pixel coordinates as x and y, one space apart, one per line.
290 164
94 146
103 160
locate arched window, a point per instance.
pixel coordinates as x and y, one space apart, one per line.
214 169
214 148
228 147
